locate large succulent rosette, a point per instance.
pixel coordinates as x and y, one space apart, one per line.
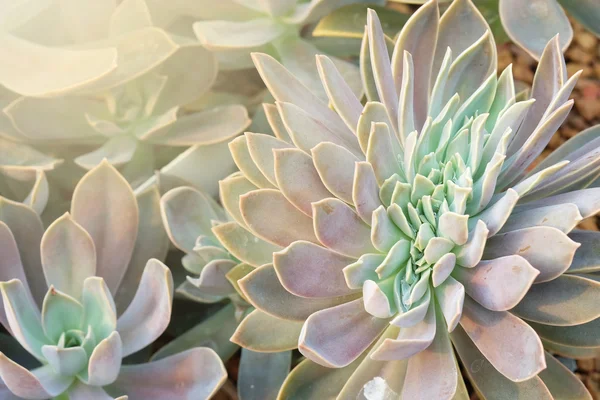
88 292
414 223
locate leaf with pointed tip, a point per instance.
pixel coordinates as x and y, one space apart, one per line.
105 206
565 301
60 313
335 166
498 284
258 206
244 245
511 345
23 317
336 336
68 255
193 374
187 214
547 249
150 310
487 380
41 383
264 291
546 19
263 332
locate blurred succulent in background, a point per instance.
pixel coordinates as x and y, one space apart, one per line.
113 87
203 230
415 220
273 27
531 24
84 280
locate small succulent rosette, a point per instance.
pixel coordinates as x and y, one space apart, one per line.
114 86
195 224
411 232
90 296
274 27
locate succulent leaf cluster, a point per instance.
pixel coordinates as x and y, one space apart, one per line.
91 294
414 221
531 24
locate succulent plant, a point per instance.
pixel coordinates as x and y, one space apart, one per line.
194 223
531 24
83 279
273 27
418 220
127 97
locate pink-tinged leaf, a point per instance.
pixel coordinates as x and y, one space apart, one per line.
563 217
460 26
68 256
23 317
308 130
442 269
10 265
383 150
260 331
512 346
565 301
561 382
586 200
376 377
586 257
365 191
81 391
339 228
105 361
244 245
298 179
261 148
241 155
384 233
451 296
27 229
410 341
150 310
547 249
382 71
418 37
308 270
213 278
416 314
335 166
38 384
487 380
260 206
339 93
532 25
336 336
498 284
264 291
152 242
496 215
230 190
469 254
186 213
105 206
550 76
309 380
193 374
437 360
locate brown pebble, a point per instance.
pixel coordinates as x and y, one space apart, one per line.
588 108
588 224
579 55
569 132
586 40
585 365
522 73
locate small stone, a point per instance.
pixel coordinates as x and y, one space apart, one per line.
556 141
588 224
586 365
586 40
579 55
573 68
577 122
588 108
